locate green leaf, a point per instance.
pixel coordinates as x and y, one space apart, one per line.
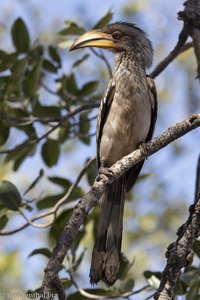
19 154
79 61
72 29
36 53
64 132
196 248
58 226
193 293
76 194
153 278
44 251
18 68
4 133
88 88
14 83
20 36
92 173
180 287
76 243
49 201
24 153
71 84
48 66
16 152
65 183
9 195
125 266
46 111
144 177
79 260
31 84
18 113
4 62
4 80
129 285
67 85
84 127
103 21
50 152
189 275
54 55
66 283
3 221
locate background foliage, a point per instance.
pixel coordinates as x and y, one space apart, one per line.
48 108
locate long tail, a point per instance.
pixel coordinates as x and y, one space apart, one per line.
107 250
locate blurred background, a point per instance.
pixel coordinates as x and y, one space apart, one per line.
159 203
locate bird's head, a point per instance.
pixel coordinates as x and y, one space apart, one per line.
118 37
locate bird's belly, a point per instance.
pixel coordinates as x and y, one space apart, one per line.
126 126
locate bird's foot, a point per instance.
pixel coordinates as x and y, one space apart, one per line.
105 172
142 147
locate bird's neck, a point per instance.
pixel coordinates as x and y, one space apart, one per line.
130 62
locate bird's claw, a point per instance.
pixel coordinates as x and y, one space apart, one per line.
105 171
142 147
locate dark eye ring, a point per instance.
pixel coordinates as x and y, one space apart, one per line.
116 35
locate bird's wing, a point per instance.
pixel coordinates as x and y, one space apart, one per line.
134 172
154 107
103 112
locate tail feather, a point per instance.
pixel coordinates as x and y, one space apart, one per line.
107 250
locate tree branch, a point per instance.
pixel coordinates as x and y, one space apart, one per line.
191 18
171 56
60 121
179 254
91 199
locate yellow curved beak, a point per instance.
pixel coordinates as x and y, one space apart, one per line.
94 38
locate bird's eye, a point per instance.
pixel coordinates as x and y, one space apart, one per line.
116 35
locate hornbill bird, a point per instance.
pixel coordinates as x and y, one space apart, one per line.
126 119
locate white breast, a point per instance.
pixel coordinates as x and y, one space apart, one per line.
128 121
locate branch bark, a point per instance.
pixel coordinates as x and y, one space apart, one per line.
191 18
91 199
180 254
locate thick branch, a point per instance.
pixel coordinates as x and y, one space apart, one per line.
179 253
91 199
191 18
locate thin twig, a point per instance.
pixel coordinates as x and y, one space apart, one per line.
32 142
172 55
115 295
48 89
30 222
